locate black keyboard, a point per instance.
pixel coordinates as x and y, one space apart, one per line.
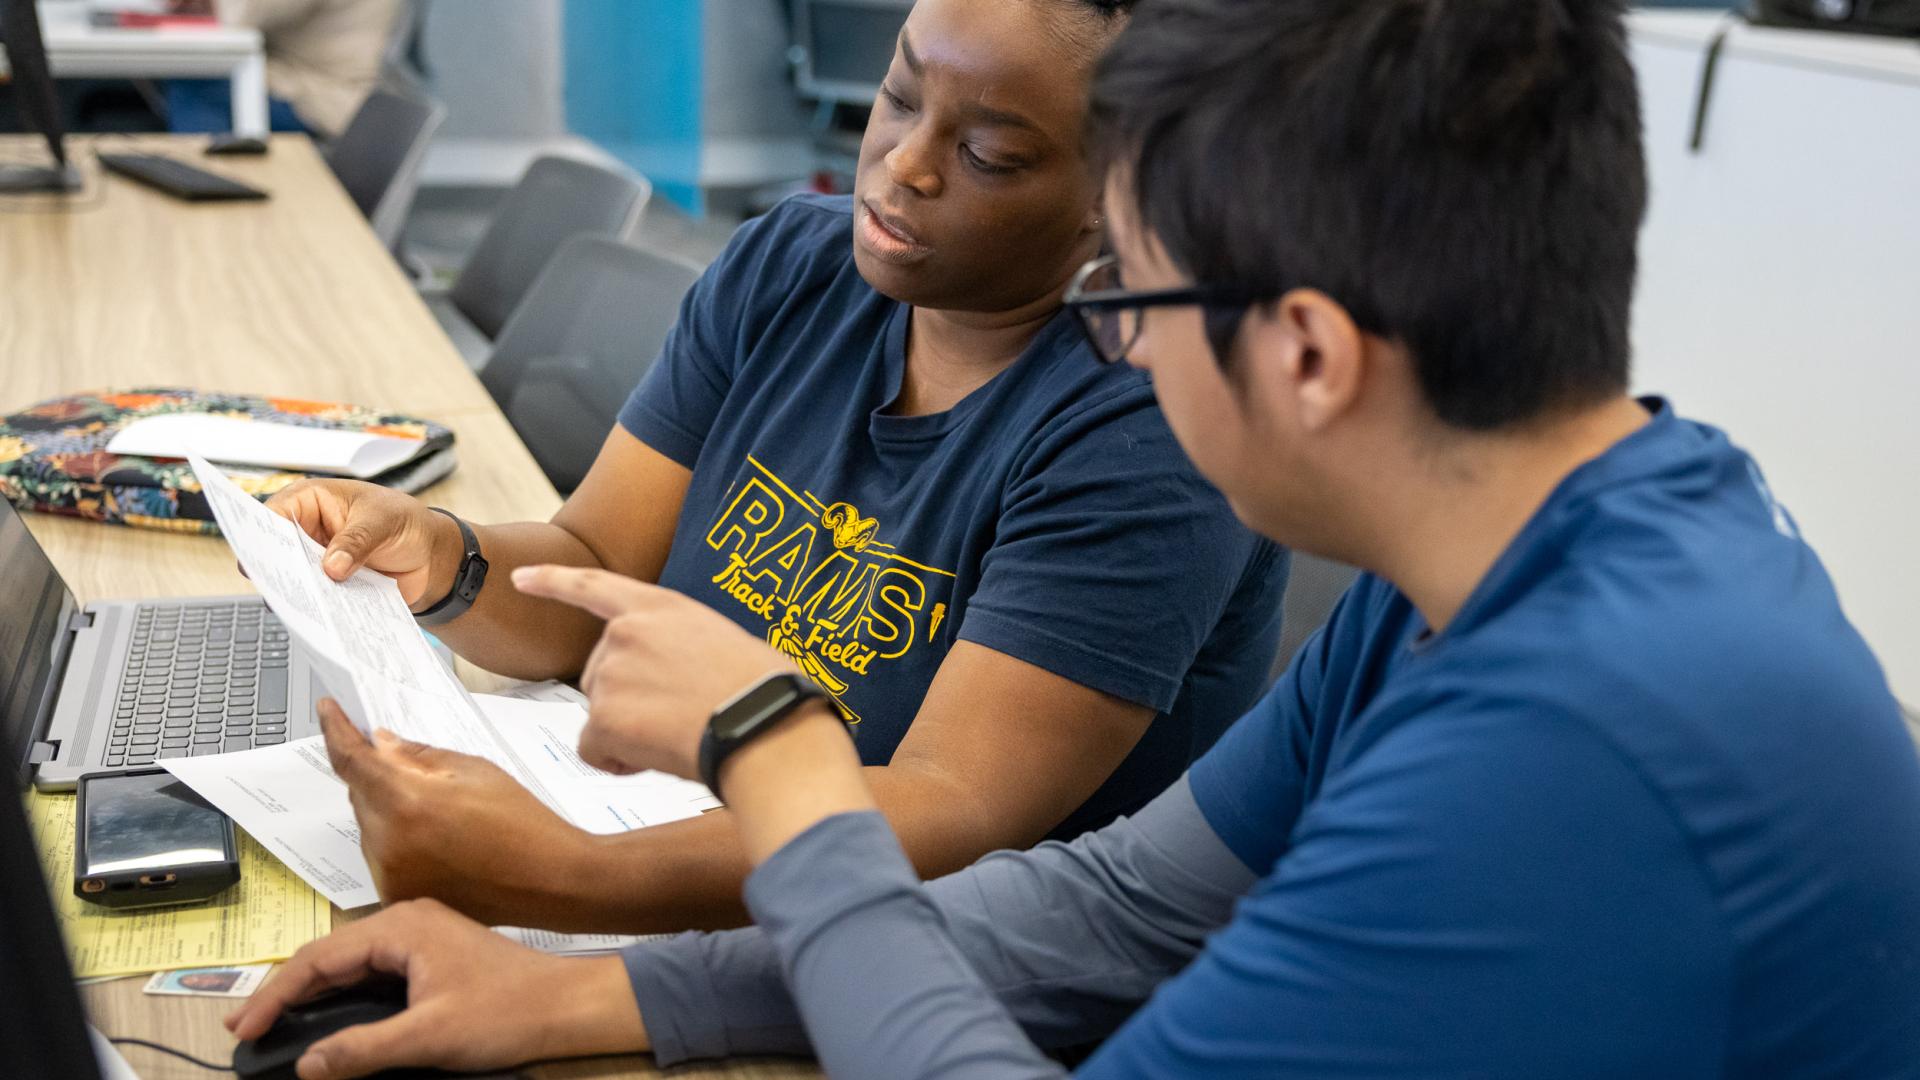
200 679
177 178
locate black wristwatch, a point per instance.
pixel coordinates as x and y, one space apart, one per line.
752 712
466 581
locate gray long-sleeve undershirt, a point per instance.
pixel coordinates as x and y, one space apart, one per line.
1063 941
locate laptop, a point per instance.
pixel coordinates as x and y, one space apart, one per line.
120 685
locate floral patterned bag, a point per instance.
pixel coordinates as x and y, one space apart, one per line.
53 456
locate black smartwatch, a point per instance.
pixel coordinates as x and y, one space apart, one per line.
752 712
466 581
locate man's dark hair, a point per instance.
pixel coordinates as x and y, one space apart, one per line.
1464 176
1094 24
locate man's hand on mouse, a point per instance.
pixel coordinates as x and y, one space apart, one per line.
454 827
474 999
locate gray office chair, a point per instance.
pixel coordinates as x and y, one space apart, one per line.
1314 586
377 158
590 326
556 200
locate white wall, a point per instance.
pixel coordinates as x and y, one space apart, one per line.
753 126
496 66
1780 289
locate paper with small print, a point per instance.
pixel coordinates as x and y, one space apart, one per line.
370 652
288 799
548 941
544 736
547 690
373 658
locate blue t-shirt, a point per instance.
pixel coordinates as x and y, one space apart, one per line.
1645 808
1049 515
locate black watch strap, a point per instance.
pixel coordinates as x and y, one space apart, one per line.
466 581
752 712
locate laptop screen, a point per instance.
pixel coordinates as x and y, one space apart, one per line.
31 601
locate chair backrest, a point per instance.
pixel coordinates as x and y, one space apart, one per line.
378 157
1314 586
404 46
556 200
590 327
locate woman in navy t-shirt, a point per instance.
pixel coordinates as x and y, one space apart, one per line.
875 439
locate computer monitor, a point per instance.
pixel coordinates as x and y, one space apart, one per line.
33 86
43 1029
843 47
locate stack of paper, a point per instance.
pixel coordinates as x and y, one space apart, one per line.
372 657
288 798
264 443
369 653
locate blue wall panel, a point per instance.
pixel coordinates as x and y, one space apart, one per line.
633 86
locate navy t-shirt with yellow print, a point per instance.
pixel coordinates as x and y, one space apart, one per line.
1049 515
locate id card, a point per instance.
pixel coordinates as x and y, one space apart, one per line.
228 982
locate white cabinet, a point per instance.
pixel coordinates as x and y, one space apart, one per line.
1780 287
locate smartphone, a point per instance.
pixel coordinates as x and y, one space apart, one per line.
144 839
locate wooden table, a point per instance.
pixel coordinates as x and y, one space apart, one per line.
122 286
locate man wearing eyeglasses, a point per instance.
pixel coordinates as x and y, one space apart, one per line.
1587 777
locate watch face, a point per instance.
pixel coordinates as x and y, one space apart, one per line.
749 709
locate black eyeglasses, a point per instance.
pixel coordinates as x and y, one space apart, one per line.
1112 315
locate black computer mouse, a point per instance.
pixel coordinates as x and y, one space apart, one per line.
236 144
271 1056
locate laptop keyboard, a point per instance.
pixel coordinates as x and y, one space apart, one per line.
200 679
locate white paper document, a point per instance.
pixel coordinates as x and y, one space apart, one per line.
372 657
369 652
544 737
288 798
548 941
550 690
264 443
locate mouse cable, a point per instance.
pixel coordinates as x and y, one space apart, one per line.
181 1054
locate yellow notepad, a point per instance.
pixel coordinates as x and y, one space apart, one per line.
268 915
